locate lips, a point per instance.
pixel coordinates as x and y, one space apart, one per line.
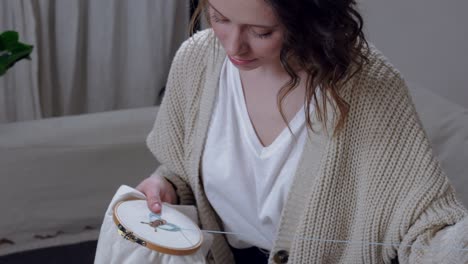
240 61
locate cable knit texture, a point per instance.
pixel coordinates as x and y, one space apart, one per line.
377 181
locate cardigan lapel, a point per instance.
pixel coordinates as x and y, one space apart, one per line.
209 87
208 94
304 183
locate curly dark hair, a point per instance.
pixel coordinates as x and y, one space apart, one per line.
325 39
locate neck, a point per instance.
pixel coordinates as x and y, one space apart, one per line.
268 72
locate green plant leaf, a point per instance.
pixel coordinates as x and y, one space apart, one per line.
11 50
9 39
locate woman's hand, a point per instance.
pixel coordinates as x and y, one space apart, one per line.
157 190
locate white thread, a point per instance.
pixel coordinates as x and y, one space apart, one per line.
346 241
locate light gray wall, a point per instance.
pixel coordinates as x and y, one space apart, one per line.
427 40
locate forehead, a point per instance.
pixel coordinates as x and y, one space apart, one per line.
245 11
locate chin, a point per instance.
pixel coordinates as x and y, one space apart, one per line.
245 67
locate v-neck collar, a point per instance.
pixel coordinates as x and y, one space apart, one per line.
246 122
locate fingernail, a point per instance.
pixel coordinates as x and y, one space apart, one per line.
156 206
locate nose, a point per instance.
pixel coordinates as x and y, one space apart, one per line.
235 43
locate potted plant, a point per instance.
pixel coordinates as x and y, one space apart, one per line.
11 50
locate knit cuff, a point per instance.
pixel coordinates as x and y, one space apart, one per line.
449 245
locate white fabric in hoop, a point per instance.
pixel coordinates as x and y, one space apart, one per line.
178 234
113 249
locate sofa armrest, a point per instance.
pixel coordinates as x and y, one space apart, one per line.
58 175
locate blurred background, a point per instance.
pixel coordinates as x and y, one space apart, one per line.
89 56
425 39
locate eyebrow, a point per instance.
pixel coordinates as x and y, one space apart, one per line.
260 26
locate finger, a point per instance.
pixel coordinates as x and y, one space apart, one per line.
169 195
166 198
156 208
153 200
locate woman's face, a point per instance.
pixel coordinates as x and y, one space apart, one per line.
249 32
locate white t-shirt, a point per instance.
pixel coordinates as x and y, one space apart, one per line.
247 184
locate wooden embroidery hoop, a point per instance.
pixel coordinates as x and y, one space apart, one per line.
129 214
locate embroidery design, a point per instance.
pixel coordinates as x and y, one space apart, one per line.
156 222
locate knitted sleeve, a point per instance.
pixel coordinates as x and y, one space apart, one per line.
434 222
168 138
438 232
426 202
408 192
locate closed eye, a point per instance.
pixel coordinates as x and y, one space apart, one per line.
217 19
266 35
262 35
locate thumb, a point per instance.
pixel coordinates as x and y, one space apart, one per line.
154 201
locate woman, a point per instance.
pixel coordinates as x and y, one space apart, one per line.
285 128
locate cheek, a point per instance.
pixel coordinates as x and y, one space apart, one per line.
268 48
220 32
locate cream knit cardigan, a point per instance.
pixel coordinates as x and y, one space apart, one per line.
375 182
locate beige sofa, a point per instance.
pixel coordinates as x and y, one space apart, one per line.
57 175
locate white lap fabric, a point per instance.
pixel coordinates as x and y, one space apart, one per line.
247 184
112 248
